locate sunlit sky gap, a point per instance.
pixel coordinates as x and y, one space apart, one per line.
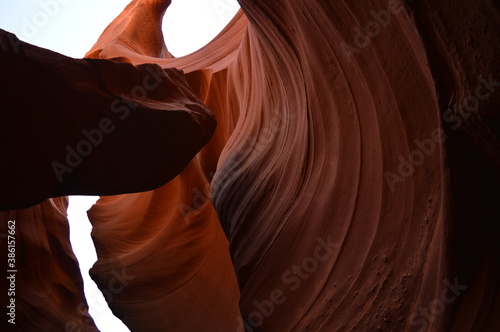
71 27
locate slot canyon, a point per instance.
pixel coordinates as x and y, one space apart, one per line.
319 165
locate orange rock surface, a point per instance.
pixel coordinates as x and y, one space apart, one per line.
48 286
352 183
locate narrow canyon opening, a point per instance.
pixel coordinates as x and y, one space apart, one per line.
188 25
315 167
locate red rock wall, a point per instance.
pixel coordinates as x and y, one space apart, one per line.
47 287
356 188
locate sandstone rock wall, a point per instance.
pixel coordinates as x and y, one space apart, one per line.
353 174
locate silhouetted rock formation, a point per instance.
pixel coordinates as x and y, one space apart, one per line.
89 126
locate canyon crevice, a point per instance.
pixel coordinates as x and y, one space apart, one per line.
351 182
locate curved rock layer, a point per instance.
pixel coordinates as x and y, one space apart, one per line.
331 181
354 171
48 287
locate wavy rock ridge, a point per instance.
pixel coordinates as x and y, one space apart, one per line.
353 174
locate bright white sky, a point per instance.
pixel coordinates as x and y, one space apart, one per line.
71 27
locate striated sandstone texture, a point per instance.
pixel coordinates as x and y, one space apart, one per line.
48 285
352 183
